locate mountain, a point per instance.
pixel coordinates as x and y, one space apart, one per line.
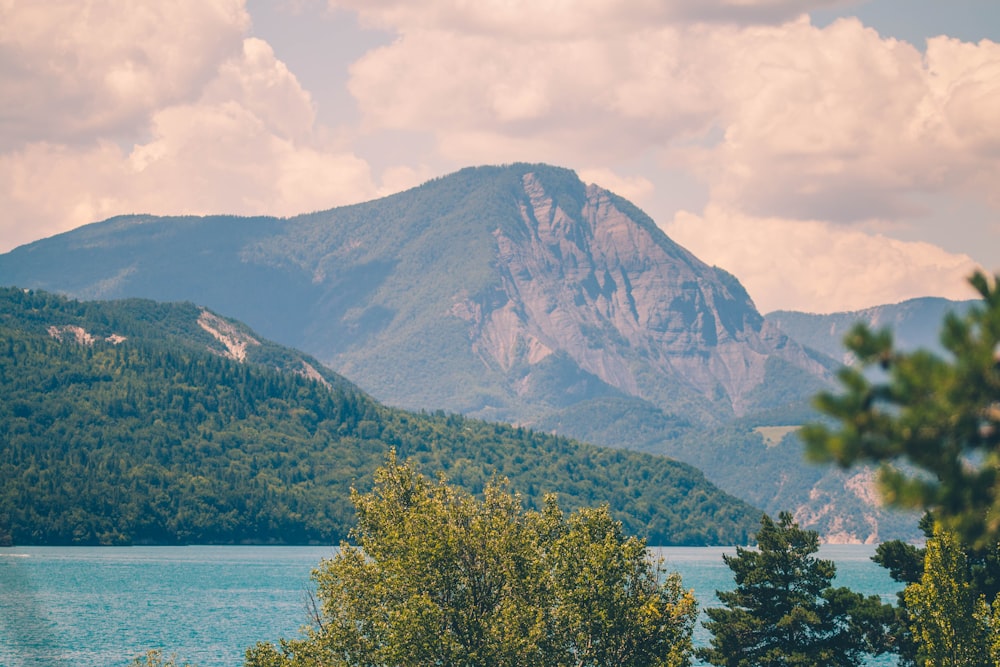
502 292
915 323
513 293
142 422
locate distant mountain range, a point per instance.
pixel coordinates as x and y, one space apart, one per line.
141 422
915 323
512 293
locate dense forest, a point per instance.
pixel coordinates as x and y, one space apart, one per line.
123 422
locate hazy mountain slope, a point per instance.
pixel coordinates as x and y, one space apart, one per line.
915 323
127 422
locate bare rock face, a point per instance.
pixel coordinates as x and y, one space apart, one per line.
621 300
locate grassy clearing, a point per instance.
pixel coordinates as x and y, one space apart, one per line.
773 435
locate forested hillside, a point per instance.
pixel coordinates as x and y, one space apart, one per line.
121 423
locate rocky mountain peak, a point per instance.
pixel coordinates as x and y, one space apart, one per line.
621 300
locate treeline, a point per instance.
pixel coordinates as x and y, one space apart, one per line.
157 440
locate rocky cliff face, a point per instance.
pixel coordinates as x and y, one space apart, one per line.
623 302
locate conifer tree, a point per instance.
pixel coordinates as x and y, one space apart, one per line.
784 610
938 416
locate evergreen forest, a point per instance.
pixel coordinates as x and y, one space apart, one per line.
125 423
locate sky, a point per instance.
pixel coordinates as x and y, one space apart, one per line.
832 154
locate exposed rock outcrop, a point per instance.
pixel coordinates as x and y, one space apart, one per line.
234 340
622 301
80 335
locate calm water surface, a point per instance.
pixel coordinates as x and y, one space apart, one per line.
99 607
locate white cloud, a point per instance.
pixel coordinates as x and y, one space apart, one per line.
241 139
843 124
634 188
76 71
248 146
790 120
47 188
571 101
816 266
403 177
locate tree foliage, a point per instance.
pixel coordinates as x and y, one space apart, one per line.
784 610
931 423
949 617
439 577
907 564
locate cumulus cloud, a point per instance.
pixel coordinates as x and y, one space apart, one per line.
790 119
231 131
75 71
634 188
568 101
844 124
816 266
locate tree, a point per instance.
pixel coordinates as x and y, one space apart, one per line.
949 618
439 577
784 611
931 424
953 566
611 607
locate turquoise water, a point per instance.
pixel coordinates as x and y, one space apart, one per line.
99 607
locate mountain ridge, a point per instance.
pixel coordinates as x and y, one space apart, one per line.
915 323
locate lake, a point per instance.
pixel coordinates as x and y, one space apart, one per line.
99 607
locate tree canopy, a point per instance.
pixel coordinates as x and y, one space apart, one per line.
438 576
949 617
932 424
784 610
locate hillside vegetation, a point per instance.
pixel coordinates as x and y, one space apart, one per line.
124 422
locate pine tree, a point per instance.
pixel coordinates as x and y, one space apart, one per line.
784 611
938 416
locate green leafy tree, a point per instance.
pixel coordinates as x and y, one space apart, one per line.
439 577
610 606
949 618
931 424
906 563
784 611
